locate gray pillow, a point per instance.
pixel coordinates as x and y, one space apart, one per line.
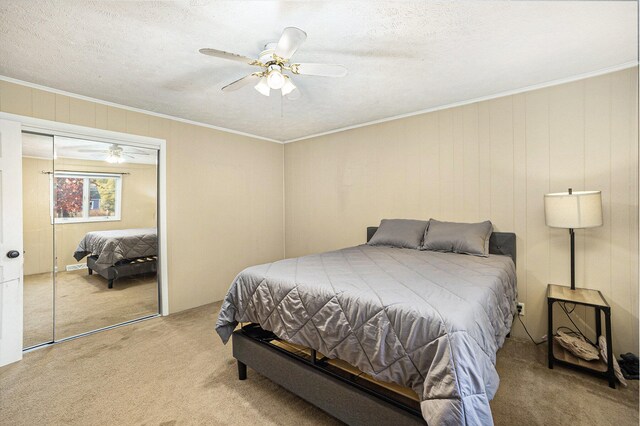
466 238
405 233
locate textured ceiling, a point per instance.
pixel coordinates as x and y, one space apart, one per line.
402 56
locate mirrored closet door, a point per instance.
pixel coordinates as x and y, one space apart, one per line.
38 290
92 215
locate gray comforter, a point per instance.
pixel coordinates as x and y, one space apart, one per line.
426 320
114 246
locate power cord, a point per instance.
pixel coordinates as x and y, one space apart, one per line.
579 332
569 330
572 309
528 334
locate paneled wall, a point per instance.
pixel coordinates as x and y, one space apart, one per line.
225 191
493 159
490 160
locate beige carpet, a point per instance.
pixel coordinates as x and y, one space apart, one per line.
175 371
83 303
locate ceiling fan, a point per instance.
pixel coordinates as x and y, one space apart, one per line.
274 61
117 154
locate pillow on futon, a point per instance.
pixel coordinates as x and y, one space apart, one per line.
465 238
403 233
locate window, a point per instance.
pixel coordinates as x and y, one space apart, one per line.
86 197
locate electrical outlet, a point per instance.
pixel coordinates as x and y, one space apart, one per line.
520 307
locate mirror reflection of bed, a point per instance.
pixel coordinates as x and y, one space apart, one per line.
90 236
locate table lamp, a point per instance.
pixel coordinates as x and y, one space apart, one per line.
573 210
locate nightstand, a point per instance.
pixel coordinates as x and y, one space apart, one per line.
559 355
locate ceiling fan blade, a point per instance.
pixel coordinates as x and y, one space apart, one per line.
249 79
138 153
322 70
226 55
289 42
131 150
92 150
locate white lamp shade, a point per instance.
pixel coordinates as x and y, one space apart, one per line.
263 86
580 209
288 87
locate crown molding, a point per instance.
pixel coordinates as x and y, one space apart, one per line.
596 73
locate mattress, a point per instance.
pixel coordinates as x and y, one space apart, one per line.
429 321
112 247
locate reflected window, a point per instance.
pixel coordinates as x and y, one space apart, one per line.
84 197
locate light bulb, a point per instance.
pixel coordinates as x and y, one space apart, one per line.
263 86
288 87
275 79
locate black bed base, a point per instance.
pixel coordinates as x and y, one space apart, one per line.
126 268
344 395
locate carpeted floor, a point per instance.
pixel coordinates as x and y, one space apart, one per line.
83 303
175 371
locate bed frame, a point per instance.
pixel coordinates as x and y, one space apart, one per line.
124 268
341 392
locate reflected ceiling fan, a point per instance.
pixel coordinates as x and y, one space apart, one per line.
274 60
117 154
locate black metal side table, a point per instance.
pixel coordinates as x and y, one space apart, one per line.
559 355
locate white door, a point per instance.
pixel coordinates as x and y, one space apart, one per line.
10 242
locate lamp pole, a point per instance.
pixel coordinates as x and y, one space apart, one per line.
573 253
573 259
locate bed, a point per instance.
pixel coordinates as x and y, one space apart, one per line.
119 253
423 320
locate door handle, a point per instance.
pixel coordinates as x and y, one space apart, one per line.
12 254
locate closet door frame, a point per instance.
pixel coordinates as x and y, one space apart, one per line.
54 128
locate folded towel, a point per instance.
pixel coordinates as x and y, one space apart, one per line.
577 346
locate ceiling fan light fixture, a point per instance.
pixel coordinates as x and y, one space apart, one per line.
114 159
273 62
115 155
275 79
263 86
288 87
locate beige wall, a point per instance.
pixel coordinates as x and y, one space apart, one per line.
490 160
493 159
225 191
139 188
